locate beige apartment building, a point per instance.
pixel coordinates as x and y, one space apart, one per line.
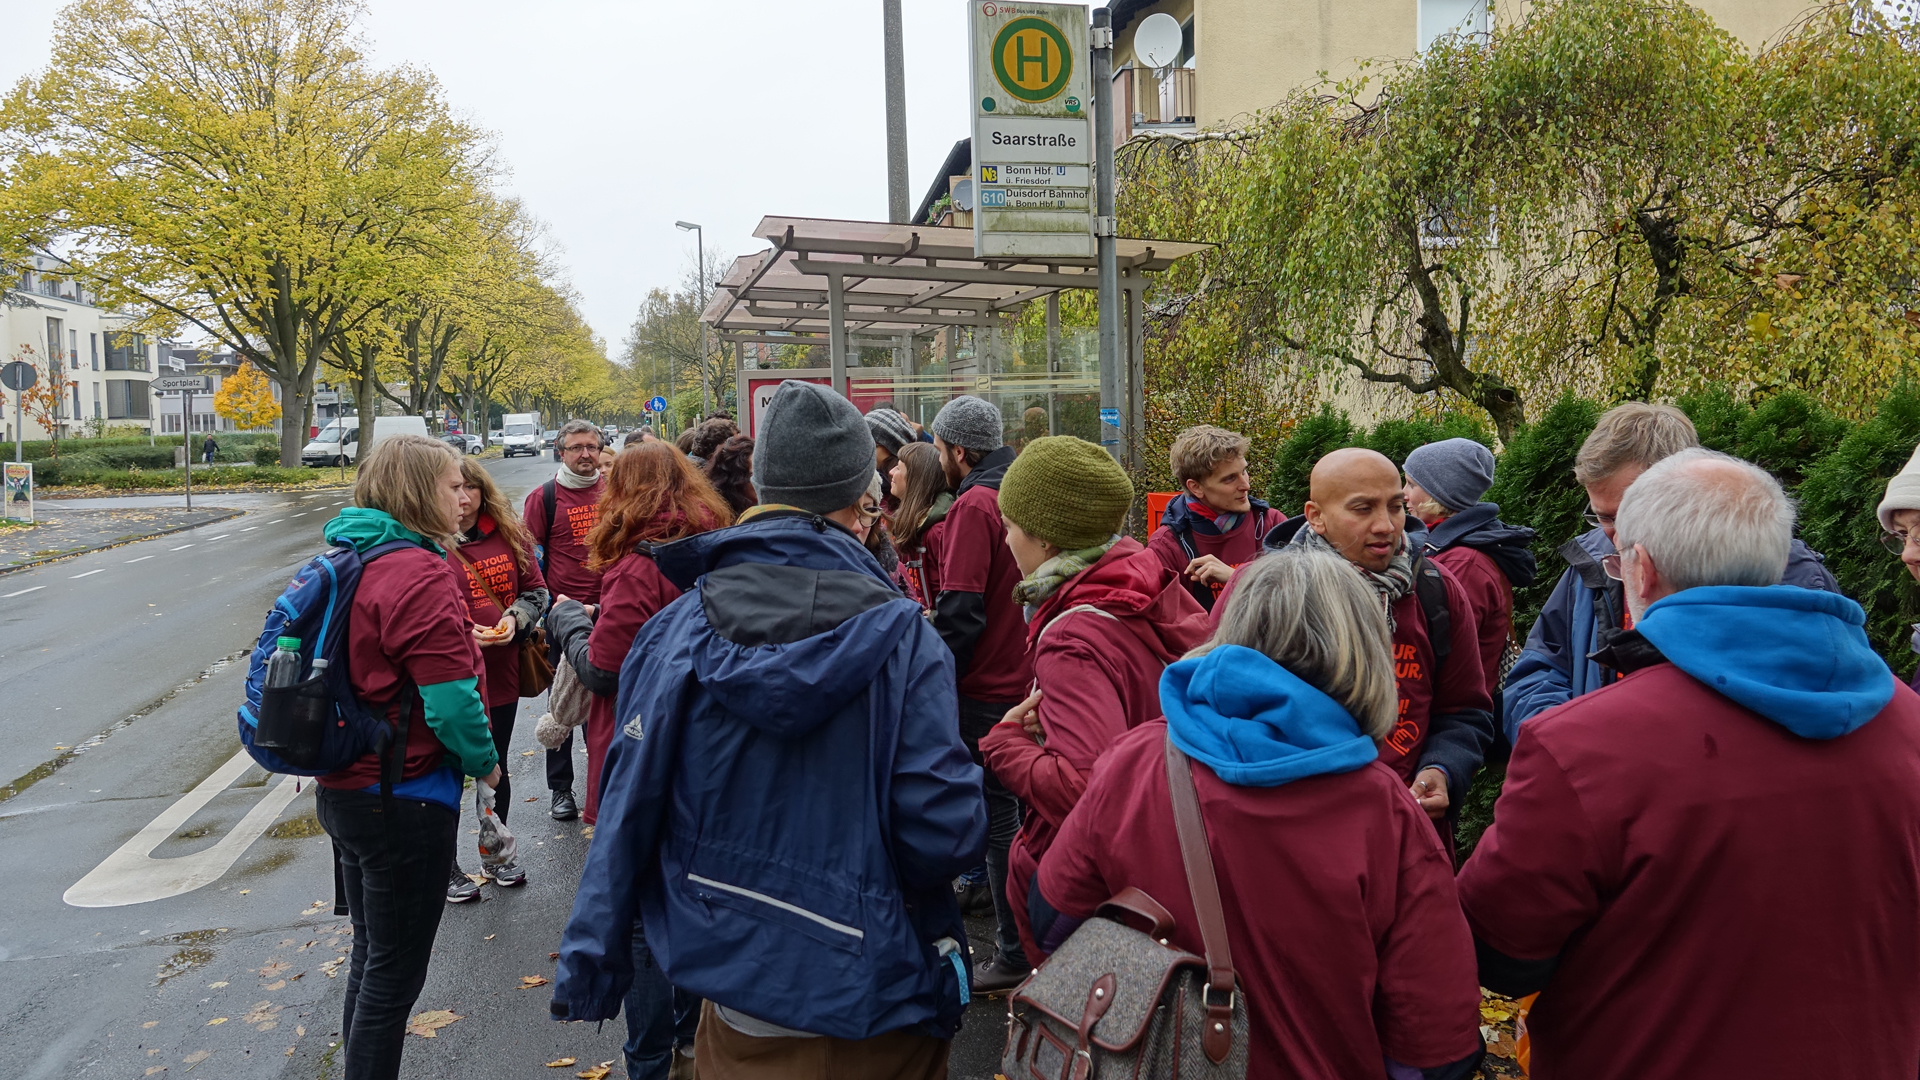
1240 56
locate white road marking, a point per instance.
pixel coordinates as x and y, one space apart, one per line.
303 513
89 573
250 528
22 592
182 547
222 536
142 558
276 521
132 876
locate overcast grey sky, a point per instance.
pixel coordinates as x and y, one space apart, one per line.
617 117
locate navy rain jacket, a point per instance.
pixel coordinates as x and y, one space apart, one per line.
787 798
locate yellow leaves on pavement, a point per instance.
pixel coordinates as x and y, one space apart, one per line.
528 982
216 1021
561 1063
598 1072
428 1024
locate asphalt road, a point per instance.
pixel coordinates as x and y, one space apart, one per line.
169 904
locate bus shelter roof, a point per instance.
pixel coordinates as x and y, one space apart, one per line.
837 279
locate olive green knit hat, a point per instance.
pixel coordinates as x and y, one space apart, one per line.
1067 492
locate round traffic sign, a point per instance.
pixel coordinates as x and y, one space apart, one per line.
1031 59
658 404
18 375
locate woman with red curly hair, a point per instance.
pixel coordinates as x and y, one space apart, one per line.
654 495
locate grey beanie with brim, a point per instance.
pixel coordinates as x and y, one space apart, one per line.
814 450
1903 492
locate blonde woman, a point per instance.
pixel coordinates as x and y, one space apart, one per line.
412 655
1339 898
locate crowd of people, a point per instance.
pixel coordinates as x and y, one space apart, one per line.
844 683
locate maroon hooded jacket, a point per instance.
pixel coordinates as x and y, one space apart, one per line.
1098 646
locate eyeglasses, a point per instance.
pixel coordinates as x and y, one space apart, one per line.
869 515
1597 519
1898 542
1611 564
581 448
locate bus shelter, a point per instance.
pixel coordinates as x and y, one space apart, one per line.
904 316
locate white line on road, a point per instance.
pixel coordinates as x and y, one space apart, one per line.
276 521
250 528
132 875
222 536
303 513
182 547
142 558
22 592
89 573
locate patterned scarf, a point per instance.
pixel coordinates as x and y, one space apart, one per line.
1391 584
1050 575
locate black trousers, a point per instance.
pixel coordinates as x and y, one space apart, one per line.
394 878
1003 824
560 765
501 718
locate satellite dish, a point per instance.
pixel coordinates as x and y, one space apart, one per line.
1157 41
963 195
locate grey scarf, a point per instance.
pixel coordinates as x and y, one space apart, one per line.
1391 584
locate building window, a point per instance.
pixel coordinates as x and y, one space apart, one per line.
96 401
126 352
127 399
1438 18
93 349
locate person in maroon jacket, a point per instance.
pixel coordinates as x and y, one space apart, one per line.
920 503
412 656
1214 526
1490 558
1339 899
1710 866
496 566
560 513
1106 619
976 616
1358 508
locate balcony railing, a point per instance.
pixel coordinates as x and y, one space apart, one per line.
1144 101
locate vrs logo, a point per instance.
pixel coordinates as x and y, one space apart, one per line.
989 174
1031 59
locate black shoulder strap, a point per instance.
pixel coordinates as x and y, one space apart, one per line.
1432 590
644 547
546 546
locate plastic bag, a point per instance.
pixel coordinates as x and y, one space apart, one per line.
496 840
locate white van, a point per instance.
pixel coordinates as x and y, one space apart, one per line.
339 442
520 434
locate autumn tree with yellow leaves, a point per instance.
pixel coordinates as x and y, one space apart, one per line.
246 398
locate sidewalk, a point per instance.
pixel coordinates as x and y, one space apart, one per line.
62 531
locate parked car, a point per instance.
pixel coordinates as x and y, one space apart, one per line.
548 437
474 443
493 437
339 442
458 442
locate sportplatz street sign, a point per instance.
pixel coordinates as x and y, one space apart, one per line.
1032 140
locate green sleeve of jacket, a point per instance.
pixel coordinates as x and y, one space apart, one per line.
457 716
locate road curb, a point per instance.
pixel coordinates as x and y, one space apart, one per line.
121 542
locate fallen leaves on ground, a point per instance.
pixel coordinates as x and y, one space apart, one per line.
274 967
489 937
216 985
196 1057
151 1023
1497 1017
598 1072
477 879
216 1020
428 1024
528 982
332 967
561 1064
528 753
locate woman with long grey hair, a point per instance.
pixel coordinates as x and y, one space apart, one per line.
1339 898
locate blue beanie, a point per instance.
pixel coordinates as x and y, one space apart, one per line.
1456 472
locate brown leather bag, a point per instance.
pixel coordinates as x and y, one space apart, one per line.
536 667
1113 1001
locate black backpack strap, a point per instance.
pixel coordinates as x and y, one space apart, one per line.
1432 590
392 750
546 546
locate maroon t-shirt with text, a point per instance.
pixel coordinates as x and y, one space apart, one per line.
574 515
490 558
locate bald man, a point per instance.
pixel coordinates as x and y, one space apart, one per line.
1357 507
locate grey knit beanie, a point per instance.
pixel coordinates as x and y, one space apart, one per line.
970 422
890 430
1456 472
814 450
1903 492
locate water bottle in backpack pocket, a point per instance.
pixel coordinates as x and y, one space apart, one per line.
301 716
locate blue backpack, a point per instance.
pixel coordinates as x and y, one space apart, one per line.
332 727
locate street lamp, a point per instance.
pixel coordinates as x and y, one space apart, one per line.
700 249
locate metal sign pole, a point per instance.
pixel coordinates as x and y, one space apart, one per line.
1113 427
186 443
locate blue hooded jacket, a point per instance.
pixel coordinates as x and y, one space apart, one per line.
786 799
1256 724
1557 663
1798 657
